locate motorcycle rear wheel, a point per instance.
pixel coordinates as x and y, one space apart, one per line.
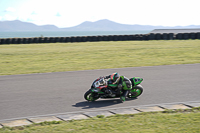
90 96
135 92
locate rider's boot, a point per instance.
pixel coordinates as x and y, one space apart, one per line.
124 95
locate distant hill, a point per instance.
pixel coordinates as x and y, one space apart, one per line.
107 25
101 25
17 25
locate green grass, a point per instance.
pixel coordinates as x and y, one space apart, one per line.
181 121
58 57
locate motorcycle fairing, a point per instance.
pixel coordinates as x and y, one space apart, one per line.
136 81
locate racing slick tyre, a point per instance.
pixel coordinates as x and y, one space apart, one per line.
135 92
90 96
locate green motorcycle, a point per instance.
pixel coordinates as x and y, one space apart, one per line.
98 87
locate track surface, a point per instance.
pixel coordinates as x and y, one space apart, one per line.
51 93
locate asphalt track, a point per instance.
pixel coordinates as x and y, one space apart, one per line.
60 92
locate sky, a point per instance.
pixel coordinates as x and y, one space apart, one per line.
68 13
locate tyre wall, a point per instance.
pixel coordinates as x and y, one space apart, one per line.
136 37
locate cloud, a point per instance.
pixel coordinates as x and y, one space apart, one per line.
29 20
144 12
58 14
33 13
10 9
8 17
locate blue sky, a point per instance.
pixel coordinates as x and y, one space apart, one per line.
67 13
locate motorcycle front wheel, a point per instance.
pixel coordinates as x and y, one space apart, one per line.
90 96
135 91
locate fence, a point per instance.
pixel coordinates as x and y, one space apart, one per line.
139 37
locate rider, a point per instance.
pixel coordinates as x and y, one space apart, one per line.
117 81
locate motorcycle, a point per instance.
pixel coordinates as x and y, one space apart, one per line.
99 86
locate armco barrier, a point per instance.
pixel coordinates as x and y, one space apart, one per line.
137 37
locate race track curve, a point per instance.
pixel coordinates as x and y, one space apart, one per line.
60 92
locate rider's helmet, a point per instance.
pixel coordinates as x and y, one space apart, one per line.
115 77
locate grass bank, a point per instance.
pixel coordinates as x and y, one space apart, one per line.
169 121
58 57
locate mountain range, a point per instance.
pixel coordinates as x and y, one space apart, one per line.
101 25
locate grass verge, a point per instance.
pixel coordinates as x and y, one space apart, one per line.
168 121
58 57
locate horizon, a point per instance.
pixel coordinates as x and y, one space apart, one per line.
97 21
70 13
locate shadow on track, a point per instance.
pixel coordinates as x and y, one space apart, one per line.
99 103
